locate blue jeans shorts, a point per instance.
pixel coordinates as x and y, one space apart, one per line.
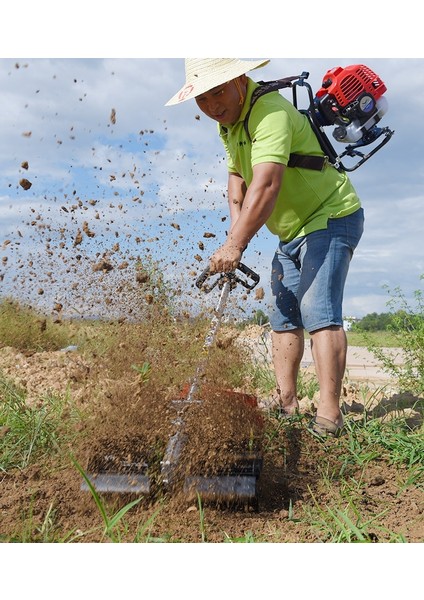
309 274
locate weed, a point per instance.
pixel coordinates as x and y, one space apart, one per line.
393 441
407 327
25 329
110 521
248 538
143 372
344 523
31 432
201 519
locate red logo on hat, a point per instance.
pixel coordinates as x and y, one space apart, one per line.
185 92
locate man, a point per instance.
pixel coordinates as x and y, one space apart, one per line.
316 214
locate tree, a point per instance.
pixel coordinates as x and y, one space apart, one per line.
373 322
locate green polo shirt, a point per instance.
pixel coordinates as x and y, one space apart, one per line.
307 198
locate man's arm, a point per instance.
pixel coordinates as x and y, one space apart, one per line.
247 218
236 192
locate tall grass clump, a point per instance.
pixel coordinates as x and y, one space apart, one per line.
391 440
344 523
25 329
30 433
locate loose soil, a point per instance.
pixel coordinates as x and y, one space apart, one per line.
124 415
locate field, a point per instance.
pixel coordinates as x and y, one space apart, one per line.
96 386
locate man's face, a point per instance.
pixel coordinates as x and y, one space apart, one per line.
222 103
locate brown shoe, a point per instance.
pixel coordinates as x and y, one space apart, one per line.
274 404
322 427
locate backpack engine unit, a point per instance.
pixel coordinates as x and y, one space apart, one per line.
351 99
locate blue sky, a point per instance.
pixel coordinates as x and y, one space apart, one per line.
154 180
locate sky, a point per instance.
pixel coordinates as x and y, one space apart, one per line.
117 176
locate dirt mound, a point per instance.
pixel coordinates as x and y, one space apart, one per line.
44 373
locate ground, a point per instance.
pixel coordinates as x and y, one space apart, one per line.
291 484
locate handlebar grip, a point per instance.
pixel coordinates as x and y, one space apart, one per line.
232 277
202 278
253 276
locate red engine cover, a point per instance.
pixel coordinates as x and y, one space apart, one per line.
347 83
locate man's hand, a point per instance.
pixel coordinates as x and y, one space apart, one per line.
225 259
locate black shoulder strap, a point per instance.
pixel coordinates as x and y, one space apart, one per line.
264 88
315 163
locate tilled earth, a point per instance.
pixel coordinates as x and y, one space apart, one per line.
129 416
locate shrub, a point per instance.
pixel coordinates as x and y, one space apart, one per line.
407 325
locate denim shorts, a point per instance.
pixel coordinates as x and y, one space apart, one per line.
309 274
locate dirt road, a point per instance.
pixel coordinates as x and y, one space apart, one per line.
361 365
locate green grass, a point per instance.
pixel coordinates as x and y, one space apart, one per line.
39 433
111 522
391 440
381 339
344 524
25 329
31 432
335 513
33 438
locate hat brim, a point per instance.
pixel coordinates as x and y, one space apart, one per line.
191 90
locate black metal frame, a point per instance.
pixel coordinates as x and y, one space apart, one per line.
352 149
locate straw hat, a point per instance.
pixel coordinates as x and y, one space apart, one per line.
203 74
